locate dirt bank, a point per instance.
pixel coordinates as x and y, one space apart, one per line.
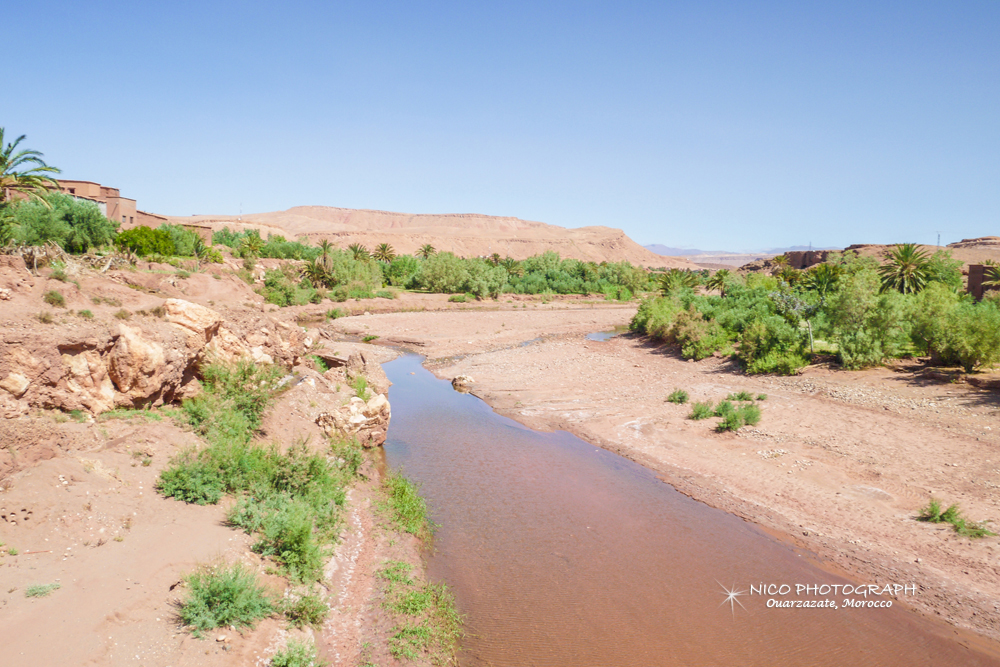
840 464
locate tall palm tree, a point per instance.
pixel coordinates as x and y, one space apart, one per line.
317 273
906 270
494 259
779 261
718 281
991 279
426 251
23 172
384 253
358 252
324 251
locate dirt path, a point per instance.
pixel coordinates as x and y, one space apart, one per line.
840 463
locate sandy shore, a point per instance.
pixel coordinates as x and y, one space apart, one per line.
840 464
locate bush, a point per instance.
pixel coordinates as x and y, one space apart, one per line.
772 345
145 241
76 225
443 272
701 411
335 313
457 298
54 298
40 590
869 326
305 609
185 242
223 596
85 314
749 414
724 408
731 421
678 396
740 396
297 653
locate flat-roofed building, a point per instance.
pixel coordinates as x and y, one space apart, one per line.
109 200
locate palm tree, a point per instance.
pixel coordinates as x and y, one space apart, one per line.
324 251
822 278
384 253
676 279
790 275
494 259
779 261
32 182
991 279
252 244
358 252
317 273
906 270
718 281
513 267
426 251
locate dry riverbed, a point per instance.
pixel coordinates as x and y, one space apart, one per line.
840 464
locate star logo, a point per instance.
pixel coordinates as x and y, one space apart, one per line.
732 597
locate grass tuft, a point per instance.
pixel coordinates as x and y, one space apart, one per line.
761 397
407 506
678 396
933 513
54 298
40 590
297 653
740 396
306 608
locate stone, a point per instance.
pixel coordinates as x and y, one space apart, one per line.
16 384
136 365
461 383
198 320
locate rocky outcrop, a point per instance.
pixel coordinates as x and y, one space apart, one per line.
368 421
149 362
359 365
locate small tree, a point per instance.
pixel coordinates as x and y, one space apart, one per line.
426 251
358 252
384 253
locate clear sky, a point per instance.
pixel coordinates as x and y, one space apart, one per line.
736 125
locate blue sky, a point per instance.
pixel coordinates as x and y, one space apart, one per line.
713 125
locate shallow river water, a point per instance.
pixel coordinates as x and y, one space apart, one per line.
561 553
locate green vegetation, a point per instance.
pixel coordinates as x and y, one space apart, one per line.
222 596
298 653
85 314
76 225
863 310
290 500
304 608
39 590
740 396
145 241
406 506
54 298
23 172
933 513
45 318
369 338
701 411
678 396
428 625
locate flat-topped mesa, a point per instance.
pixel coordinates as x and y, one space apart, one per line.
465 234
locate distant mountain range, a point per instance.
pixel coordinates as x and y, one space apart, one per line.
684 252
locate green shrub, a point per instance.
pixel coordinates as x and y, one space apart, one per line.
701 411
76 225
724 408
740 396
59 272
85 314
123 314
54 298
145 241
335 313
457 298
385 294
731 421
45 318
306 608
749 414
369 338
185 242
678 396
222 596
761 397
297 653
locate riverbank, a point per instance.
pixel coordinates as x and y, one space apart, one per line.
840 464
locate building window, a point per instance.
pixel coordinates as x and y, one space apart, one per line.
131 220
72 191
124 219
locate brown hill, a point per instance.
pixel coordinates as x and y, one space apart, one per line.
465 234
